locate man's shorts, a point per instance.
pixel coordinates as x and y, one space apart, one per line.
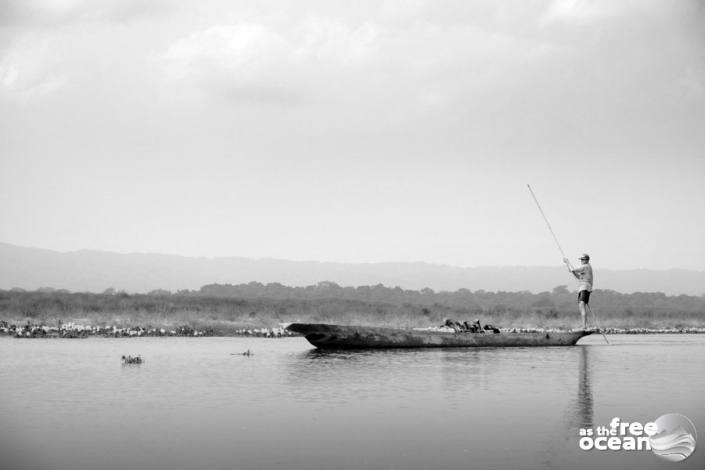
584 295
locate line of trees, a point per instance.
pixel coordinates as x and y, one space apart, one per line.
559 299
258 303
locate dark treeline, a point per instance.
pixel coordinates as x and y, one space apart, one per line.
266 305
558 300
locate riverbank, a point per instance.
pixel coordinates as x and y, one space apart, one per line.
77 330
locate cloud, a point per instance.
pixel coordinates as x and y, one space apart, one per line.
586 12
61 12
31 69
242 58
241 62
321 56
244 49
328 40
577 11
439 68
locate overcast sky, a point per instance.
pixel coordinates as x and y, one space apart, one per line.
356 131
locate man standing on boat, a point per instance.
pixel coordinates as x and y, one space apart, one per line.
583 274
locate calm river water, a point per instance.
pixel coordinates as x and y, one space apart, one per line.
70 404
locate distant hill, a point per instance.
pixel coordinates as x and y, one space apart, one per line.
95 271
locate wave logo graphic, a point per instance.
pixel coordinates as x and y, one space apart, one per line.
675 438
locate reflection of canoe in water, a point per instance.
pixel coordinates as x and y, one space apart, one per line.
365 337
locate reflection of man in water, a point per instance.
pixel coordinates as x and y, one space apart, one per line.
584 390
583 274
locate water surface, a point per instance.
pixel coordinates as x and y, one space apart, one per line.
197 403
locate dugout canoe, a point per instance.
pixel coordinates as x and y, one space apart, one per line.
325 336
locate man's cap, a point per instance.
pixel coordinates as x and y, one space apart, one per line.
585 256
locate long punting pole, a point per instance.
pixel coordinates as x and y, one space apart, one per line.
597 324
546 220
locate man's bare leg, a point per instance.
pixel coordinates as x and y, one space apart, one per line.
583 313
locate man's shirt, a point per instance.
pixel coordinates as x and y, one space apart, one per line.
584 275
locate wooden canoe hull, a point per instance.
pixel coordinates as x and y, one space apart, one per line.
325 336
